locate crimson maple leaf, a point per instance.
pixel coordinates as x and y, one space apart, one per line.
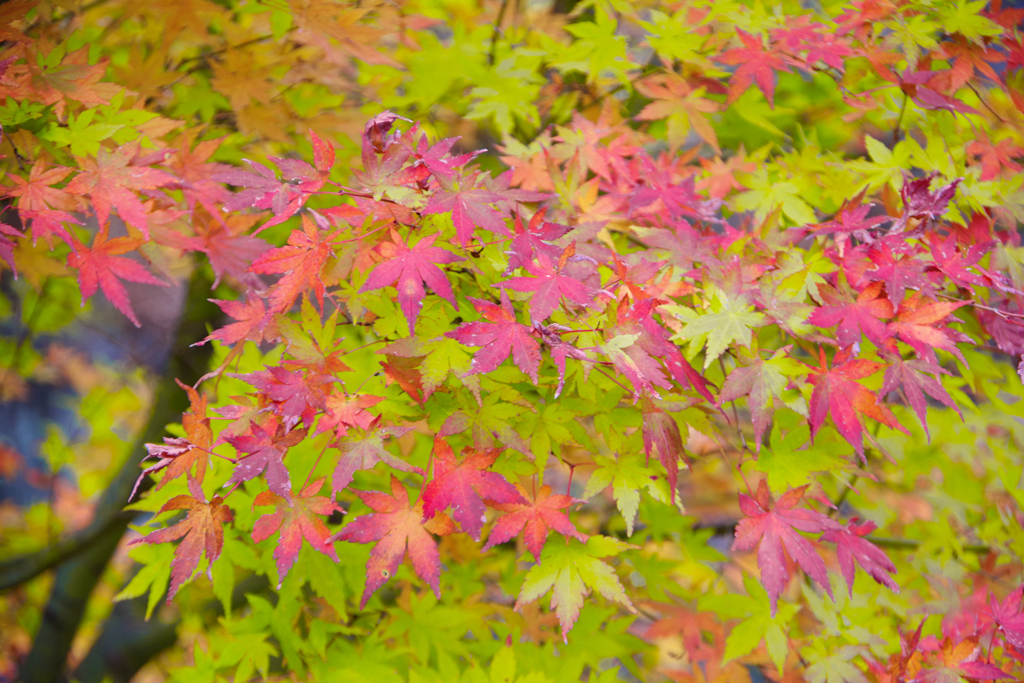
412 267
560 351
296 518
471 207
1009 618
852 221
7 245
919 201
202 530
536 518
344 411
396 526
838 394
851 544
297 395
917 378
301 260
266 452
364 453
101 266
179 455
463 486
499 338
772 529
756 65
228 249
853 318
549 283
535 238
948 261
898 274
661 434
109 180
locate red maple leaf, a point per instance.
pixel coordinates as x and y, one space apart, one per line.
535 238
364 453
995 156
7 245
535 518
395 526
228 249
919 201
189 161
550 283
101 266
661 434
917 378
756 65
851 545
853 318
471 207
463 486
266 453
344 411
109 181
916 324
412 267
252 315
179 455
898 274
838 394
772 529
301 260
948 260
297 395
37 191
499 338
202 530
1009 618
852 221
560 351
761 388
296 518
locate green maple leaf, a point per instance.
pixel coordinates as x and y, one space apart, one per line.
729 321
627 476
833 666
788 465
765 194
571 571
758 626
81 134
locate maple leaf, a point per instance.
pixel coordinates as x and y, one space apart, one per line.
654 339
995 156
921 202
641 369
773 528
549 283
756 65
689 626
364 453
730 320
661 434
178 455
681 105
853 318
412 267
762 382
535 518
228 250
560 351
396 527
343 411
46 223
252 317
958 661
851 545
311 341
499 338
899 275
573 570
7 245
297 395
266 453
473 207
202 530
109 181
948 261
1009 618
656 192
534 239
464 485
296 518
301 260
917 378
838 394
915 325
852 221
101 266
